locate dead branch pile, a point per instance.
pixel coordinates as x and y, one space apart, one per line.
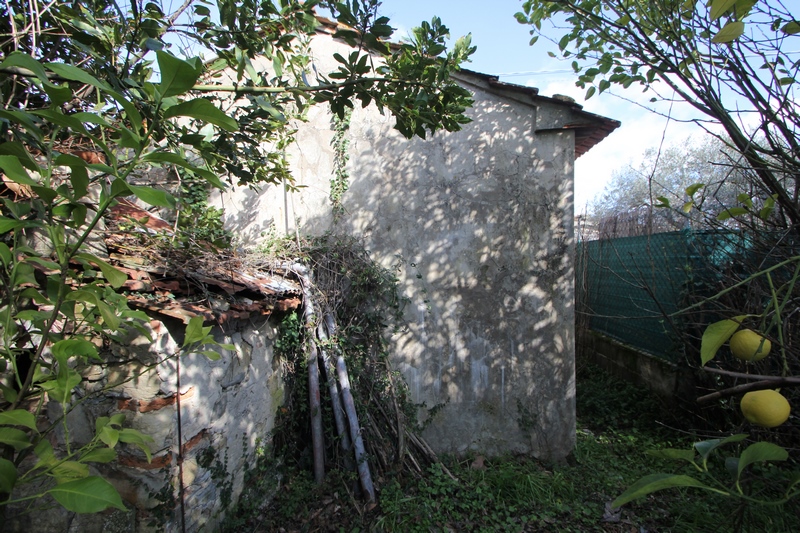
348 303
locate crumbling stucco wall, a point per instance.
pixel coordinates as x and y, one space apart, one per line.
226 406
480 225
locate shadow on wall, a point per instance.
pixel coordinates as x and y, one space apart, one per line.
481 223
248 220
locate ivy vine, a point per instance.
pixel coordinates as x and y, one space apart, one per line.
340 180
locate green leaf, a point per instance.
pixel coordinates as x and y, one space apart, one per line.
19 151
203 109
24 119
73 73
766 210
14 170
704 448
152 196
687 206
66 348
716 335
67 121
691 189
47 194
791 28
5 253
69 470
15 438
745 199
8 476
166 157
760 451
742 8
137 438
99 423
115 278
79 177
590 92
719 7
730 32
176 159
9 394
653 483
44 451
33 316
99 455
177 76
59 94
110 318
9 224
119 187
44 263
18 417
60 388
19 59
663 201
211 355
88 495
731 212
109 436
195 332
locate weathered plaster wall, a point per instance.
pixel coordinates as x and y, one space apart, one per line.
480 224
226 405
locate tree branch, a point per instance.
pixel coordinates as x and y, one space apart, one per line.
770 382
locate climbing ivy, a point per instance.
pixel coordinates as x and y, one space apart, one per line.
340 180
198 221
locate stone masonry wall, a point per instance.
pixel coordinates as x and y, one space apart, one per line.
227 407
479 225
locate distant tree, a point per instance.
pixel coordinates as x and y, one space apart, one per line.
660 181
732 60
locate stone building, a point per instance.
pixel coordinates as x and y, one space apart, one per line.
479 224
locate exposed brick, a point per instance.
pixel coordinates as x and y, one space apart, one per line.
159 461
194 441
145 406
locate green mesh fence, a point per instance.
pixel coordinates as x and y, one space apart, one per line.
627 286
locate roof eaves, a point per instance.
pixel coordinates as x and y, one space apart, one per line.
590 130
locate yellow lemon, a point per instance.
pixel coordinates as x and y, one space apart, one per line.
766 408
746 345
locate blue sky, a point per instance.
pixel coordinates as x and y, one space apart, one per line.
503 50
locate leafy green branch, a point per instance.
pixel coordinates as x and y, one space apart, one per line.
698 456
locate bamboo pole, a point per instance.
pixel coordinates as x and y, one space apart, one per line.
315 406
350 408
336 400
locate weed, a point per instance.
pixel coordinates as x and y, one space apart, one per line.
524 495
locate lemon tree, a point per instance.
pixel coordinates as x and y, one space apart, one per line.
766 408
